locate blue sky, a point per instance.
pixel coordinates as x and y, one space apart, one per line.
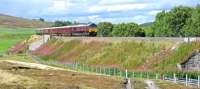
116 11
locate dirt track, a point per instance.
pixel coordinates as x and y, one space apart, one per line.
46 77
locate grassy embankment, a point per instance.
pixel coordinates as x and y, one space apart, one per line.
9 36
177 56
122 54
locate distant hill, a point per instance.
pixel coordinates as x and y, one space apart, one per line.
147 24
11 21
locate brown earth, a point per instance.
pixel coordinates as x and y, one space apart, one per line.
57 79
155 59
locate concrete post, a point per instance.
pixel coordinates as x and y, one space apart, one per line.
83 68
198 81
156 76
105 71
126 73
109 71
174 78
163 77
186 80
120 73
114 72
100 70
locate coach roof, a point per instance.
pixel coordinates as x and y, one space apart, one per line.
72 26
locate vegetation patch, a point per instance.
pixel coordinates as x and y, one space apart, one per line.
11 79
122 54
178 56
12 36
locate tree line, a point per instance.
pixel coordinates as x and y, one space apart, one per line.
180 21
107 29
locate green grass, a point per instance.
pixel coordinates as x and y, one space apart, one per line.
178 56
11 36
5 44
123 54
127 54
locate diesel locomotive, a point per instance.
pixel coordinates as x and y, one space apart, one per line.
73 30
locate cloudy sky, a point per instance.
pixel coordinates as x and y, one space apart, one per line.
116 11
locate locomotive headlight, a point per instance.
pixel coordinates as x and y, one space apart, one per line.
93 30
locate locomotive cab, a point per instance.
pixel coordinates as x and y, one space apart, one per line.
92 29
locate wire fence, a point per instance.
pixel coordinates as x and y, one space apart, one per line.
175 77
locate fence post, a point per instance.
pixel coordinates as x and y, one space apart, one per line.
174 78
186 80
83 68
198 81
163 77
109 73
126 73
133 74
100 70
113 71
156 76
104 69
121 73
76 66
97 69
147 75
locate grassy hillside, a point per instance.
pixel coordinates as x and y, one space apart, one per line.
178 56
133 55
12 36
123 54
11 21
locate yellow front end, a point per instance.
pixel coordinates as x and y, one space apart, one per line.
92 30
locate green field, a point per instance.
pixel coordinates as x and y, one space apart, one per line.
11 36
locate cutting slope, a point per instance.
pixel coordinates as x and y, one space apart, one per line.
122 54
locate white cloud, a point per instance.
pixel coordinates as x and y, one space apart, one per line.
154 12
55 7
141 19
117 7
93 17
114 1
59 5
137 19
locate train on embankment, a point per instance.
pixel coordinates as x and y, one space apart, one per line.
73 30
